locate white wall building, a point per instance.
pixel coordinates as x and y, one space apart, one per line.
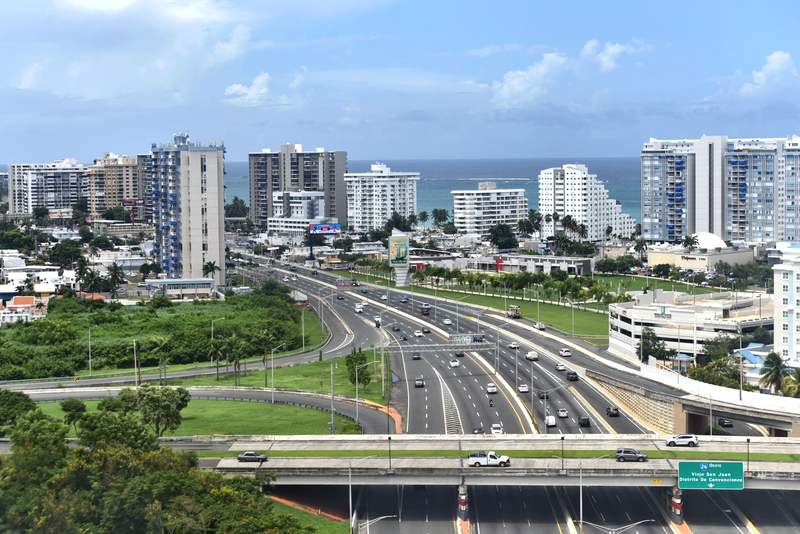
475 211
787 305
55 185
372 197
571 190
295 211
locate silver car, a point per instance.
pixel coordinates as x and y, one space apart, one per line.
689 440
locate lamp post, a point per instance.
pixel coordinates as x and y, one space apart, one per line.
572 307
333 411
358 421
516 368
303 320
350 486
580 486
272 364
90 348
373 521
562 453
390 453
748 455
457 302
505 300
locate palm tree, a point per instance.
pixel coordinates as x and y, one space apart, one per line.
689 242
160 345
640 247
609 231
210 269
567 223
772 372
412 220
115 274
524 226
555 217
92 282
440 216
535 219
583 231
423 217
792 386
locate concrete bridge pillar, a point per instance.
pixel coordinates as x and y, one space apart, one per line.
463 504
687 423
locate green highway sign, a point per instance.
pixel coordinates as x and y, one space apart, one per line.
711 475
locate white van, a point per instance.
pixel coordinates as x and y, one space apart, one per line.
532 356
550 420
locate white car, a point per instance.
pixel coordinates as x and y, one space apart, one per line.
513 345
383 297
491 388
523 388
359 309
285 278
565 352
447 321
455 363
682 439
497 428
417 333
562 413
560 367
364 302
377 318
294 279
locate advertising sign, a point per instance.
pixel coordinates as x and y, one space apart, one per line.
132 202
711 475
56 213
398 251
325 229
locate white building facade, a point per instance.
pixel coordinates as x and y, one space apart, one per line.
187 192
57 185
742 190
787 305
571 190
476 211
296 211
372 197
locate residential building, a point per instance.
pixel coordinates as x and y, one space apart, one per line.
4 181
787 305
188 199
296 211
291 170
57 185
373 197
709 251
111 179
571 190
476 211
742 190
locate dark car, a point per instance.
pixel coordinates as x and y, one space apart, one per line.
404 337
459 354
426 312
612 411
339 297
416 356
722 422
251 456
478 430
426 329
365 291
572 375
395 328
584 421
314 272
542 394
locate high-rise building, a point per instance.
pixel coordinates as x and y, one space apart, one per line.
742 190
188 206
476 211
373 197
292 170
787 305
571 190
57 185
111 179
305 208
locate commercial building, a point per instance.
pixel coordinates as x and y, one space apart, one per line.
295 212
111 179
476 211
571 190
291 170
742 190
373 197
57 185
685 322
188 199
709 251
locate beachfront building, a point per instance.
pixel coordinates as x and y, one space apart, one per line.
372 197
476 211
571 190
109 180
292 170
742 190
188 199
57 185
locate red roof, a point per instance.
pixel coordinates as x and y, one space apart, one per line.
22 301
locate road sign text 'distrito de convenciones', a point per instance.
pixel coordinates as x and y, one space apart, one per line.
711 475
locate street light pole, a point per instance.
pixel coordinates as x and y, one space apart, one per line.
333 411
90 348
358 421
272 364
350 486
580 485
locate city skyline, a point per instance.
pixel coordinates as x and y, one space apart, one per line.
389 80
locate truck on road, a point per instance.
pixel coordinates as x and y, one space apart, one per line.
513 312
488 458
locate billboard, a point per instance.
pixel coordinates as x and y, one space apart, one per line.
325 229
398 251
61 213
132 202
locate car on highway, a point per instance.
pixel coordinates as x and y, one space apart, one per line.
532 356
294 279
539 326
688 440
403 299
314 273
359 309
395 328
339 297
562 413
419 382
426 312
572 375
417 333
722 422
416 355
478 430
384 297
377 319
513 345
523 388
549 421
612 411
364 302
365 291
285 278
625 454
497 428
426 329
404 337
455 363
447 322
426 306
542 394
584 421
491 387
460 354
565 353
141 284
560 367
251 456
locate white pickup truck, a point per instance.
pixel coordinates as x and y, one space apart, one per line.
488 458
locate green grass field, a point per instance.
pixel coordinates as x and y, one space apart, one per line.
323 525
205 417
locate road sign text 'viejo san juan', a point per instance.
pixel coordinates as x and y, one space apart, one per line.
711 475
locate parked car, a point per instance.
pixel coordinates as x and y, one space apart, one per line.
539 326
572 375
491 387
523 388
562 413
630 455
689 440
565 353
251 456
584 421
141 284
612 411
416 355
497 428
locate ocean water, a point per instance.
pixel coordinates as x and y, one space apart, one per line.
621 177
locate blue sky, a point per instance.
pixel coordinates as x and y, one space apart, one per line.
390 79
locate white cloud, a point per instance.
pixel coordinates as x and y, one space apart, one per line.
257 94
402 80
105 6
607 56
776 71
238 45
29 76
298 78
494 49
521 86
182 10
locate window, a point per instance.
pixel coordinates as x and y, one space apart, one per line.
785 289
785 327
785 314
785 302
785 352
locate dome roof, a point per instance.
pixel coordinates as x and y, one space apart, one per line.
709 241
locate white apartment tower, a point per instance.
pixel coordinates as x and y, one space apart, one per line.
475 212
787 306
742 190
373 197
57 185
188 206
571 190
111 179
